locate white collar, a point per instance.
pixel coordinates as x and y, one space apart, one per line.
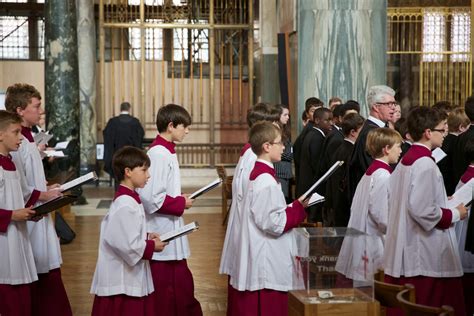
349 140
377 121
316 128
124 112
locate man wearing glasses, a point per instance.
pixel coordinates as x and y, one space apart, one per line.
381 102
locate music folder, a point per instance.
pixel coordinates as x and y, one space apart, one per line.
328 173
206 188
315 199
91 176
186 229
54 204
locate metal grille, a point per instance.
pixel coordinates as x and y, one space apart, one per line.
194 53
429 56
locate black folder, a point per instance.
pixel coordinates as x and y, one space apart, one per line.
55 204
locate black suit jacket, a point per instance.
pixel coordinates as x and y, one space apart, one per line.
121 131
297 146
446 164
360 159
311 153
332 142
337 194
460 162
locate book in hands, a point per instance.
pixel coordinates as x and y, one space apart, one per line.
91 176
328 173
61 145
54 204
463 195
42 138
315 199
186 229
54 153
206 188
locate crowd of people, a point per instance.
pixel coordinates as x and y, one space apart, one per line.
389 187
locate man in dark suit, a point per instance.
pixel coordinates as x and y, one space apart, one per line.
311 153
121 131
311 105
460 160
381 102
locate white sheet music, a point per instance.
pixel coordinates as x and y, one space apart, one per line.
206 188
315 198
333 168
438 154
42 138
186 229
463 195
78 181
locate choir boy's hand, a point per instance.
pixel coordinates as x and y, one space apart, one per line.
462 211
23 214
303 201
189 202
55 186
50 194
159 245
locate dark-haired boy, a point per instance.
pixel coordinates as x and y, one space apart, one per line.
122 278
17 265
48 294
338 203
164 206
311 154
420 247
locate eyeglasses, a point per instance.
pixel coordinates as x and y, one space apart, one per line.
440 130
276 143
390 104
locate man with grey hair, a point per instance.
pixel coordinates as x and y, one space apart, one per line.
381 102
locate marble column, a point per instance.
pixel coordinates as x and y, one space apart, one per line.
87 83
342 49
268 87
61 79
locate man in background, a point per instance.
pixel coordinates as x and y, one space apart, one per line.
122 130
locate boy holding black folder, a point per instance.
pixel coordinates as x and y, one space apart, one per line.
49 295
122 281
164 206
17 265
262 276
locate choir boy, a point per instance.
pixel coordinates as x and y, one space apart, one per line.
48 294
420 247
122 281
369 209
460 161
259 112
164 206
17 265
467 253
337 195
264 257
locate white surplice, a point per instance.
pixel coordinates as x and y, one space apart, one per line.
369 214
121 268
264 255
467 258
17 265
414 246
234 223
165 179
43 237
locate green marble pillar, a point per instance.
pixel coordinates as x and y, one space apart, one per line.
87 83
61 79
342 49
